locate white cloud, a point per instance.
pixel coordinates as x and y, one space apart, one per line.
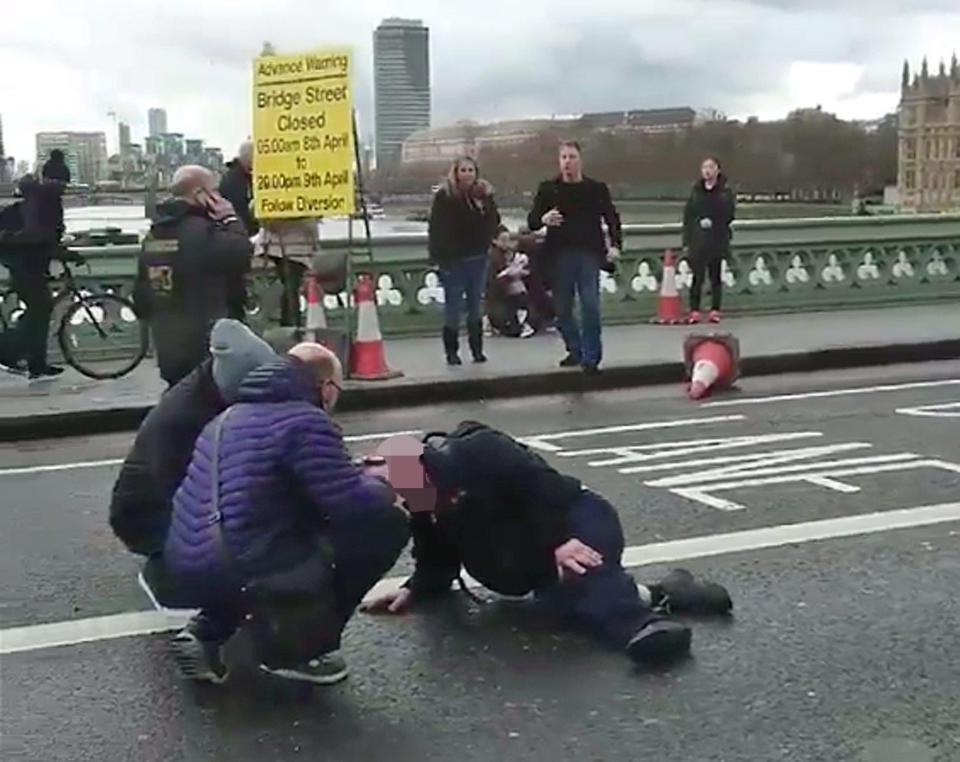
67 63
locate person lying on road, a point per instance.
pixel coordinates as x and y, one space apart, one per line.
483 501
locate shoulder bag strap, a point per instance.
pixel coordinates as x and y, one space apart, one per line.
216 517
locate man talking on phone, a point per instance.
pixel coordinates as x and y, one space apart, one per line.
196 254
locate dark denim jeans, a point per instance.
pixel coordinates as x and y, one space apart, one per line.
465 278
604 601
578 272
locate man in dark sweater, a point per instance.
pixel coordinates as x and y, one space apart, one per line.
485 502
572 207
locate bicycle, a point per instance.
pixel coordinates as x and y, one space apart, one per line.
99 333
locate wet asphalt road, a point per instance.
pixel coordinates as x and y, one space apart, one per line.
840 649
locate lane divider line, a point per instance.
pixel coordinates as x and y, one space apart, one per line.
70 633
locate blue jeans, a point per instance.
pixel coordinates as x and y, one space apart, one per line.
604 601
464 278
578 271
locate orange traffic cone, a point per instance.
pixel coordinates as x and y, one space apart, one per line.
712 362
367 359
316 316
669 309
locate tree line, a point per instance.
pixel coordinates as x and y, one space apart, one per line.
823 158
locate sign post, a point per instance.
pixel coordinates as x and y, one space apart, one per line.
303 136
304 152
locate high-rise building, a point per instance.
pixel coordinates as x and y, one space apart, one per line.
153 145
929 152
172 144
401 69
194 149
157 121
85 153
3 157
124 129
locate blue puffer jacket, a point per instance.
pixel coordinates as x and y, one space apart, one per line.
285 478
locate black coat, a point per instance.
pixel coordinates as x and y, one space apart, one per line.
719 206
583 205
511 514
236 186
142 500
207 275
460 227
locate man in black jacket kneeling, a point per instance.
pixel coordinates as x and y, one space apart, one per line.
485 502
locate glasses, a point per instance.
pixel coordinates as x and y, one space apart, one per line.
334 384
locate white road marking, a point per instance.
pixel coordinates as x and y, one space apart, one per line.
118 461
701 493
760 468
544 441
943 410
60 467
658 450
833 393
69 633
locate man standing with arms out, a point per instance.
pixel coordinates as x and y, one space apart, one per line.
192 260
572 207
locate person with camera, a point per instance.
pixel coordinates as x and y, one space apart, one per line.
463 221
706 236
192 261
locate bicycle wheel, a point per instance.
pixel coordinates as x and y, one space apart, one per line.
102 337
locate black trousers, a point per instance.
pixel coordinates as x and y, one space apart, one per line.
702 265
28 338
363 553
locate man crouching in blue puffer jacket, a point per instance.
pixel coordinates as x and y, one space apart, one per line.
276 528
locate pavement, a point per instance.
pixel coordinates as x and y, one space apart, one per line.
826 502
635 355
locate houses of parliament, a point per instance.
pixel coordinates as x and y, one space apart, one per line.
929 152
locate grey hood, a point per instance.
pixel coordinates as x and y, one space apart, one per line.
236 350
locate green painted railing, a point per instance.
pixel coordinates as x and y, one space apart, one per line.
776 266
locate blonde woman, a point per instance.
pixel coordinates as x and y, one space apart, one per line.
463 221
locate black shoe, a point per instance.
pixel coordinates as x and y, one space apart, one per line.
591 369
16 367
49 371
451 346
660 640
475 338
324 670
680 592
570 361
198 660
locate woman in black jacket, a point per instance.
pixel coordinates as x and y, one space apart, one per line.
463 222
706 235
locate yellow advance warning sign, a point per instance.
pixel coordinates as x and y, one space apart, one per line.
303 136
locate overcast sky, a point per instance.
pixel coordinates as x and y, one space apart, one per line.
67 63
